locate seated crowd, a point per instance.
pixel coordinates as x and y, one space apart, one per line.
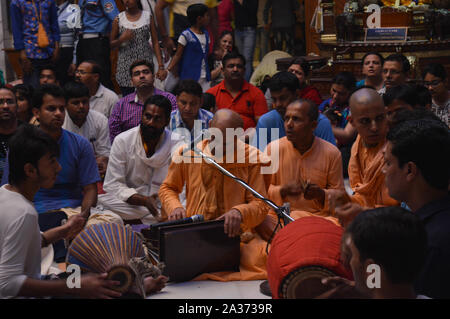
81 150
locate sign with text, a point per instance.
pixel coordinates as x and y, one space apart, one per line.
386 35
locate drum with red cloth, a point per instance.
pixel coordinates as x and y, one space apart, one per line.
301 254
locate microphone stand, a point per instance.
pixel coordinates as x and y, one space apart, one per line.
283 212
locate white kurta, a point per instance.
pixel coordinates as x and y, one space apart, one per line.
95 130
130 172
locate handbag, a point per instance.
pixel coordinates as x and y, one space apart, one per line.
42 37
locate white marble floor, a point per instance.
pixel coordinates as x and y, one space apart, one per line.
211 290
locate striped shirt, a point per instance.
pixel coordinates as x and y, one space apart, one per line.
176 122
128 112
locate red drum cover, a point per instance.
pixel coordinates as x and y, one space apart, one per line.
307 247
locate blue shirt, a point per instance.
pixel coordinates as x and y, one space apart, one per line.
97 15
176 121
25 24
273 119
69 23
79 168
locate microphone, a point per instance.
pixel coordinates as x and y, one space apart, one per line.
188 220
203 135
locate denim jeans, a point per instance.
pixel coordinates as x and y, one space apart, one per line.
245 42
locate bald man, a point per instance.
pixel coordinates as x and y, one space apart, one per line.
216 196
368 117
308 168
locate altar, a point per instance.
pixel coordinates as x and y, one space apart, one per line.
338 29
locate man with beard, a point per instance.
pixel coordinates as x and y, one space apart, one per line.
128 111
138 163
92 125
8 123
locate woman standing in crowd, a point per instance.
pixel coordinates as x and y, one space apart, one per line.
130 33
224 46
69 21
372 65
435 80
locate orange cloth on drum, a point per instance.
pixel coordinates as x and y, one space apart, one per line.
320 165
366 176
211 194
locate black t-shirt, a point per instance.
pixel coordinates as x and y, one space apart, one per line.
4 140
245 14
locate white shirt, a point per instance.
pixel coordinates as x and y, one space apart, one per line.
130 171
20 242
103 101
95 130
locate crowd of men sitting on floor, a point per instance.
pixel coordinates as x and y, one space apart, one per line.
100 159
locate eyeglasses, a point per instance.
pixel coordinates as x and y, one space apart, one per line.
432 83
7 101
82 72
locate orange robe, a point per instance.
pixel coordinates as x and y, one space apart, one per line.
366 176
210 193
320 165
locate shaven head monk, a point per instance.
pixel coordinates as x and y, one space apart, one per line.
368 117
223 119
308 167
215 196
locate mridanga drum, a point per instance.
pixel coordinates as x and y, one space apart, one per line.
301 254
116 250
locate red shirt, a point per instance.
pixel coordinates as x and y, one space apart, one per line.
311 93
248 103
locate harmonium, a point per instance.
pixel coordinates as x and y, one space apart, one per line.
188 250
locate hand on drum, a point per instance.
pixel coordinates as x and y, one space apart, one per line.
96 286
233 220
177 213
339 288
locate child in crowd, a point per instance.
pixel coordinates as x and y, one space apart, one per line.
193 47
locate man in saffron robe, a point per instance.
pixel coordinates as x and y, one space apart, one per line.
368 117
215 196
308 167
